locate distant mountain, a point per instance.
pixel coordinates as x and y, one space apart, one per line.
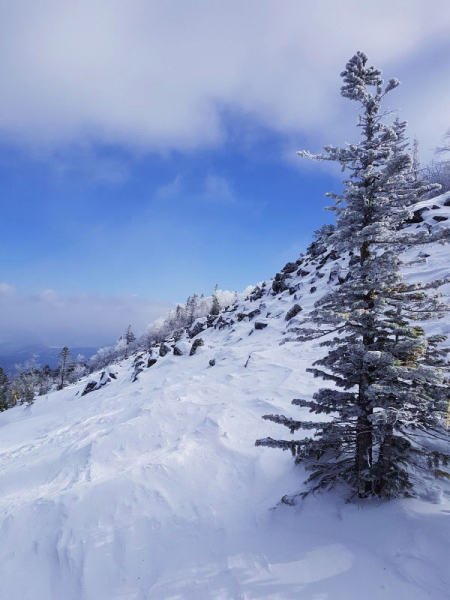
12 354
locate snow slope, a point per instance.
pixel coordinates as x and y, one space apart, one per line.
153 489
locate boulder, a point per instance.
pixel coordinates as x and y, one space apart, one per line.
278 285
91 386
290 267
257 293
151 362
198 342
417 215
293 312
303 272
197 328
254 313
440 218
164 349
260 325
212 362
181 348
251 315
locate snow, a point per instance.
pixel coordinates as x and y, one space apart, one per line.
154 489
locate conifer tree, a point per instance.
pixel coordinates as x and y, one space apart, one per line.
390 394
191 309
215 309
129 336
4 389
65 359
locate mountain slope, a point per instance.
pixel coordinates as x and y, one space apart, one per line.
153 489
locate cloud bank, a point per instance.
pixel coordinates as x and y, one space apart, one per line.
157 76
83 320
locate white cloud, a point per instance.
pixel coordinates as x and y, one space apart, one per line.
156 75
83 320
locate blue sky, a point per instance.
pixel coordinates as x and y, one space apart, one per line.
148 151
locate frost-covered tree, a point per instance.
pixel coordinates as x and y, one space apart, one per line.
385 413
191 309
78 370
27 381
445 148
4 390
215 308
438 170
64 361
46 381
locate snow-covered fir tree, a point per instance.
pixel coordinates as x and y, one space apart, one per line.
4 390
215 309
64 360
387 408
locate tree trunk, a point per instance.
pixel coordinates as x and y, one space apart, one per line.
384 461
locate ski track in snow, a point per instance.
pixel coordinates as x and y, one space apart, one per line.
154 490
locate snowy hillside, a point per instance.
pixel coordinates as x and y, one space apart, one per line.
153 488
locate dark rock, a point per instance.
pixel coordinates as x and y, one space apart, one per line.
90 387
293 311
136 374
257 294
210 320
113 375
251 315
440 218
164 349
423 255
212 362
290 267
303 272
354 260
260 325
96 385
151 362
254 313
198 342
198 328
279 286
447 202
417 215
313 289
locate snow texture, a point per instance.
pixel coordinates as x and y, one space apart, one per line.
153 489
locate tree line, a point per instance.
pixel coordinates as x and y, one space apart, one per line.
31 379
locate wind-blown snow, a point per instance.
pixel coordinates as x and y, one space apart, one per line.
154 490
